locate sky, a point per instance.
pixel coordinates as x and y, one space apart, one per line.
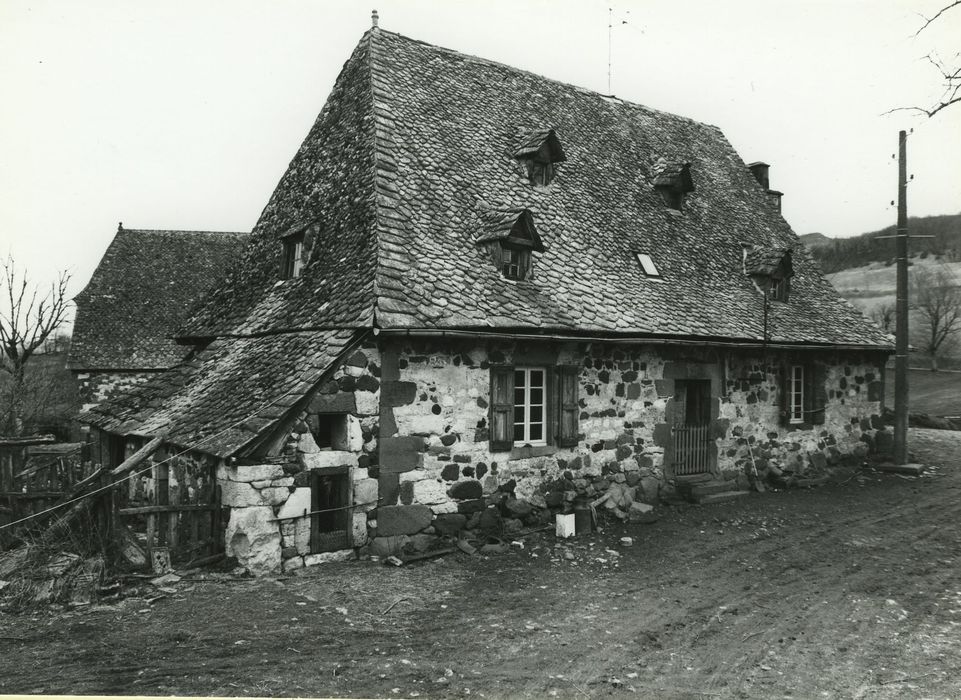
184 115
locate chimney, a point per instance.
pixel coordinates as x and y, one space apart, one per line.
760 171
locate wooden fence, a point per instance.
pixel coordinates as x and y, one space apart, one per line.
36 473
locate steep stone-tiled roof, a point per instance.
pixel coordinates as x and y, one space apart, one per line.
414 136
395 178
145 285
229 394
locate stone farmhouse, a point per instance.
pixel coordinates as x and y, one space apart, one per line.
145 286
478 292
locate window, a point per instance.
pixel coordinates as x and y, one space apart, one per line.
529 406
534 406
796 395
780 288
293 261
647 264
541 172
329 430
803 394
516 262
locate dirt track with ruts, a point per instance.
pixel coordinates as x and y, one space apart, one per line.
848 590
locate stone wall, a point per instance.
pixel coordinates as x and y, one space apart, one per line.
416 442
95 387
270 527
756 439
435 443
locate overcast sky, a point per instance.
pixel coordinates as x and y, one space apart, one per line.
184 115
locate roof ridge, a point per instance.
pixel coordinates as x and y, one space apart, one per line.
190 231
491 62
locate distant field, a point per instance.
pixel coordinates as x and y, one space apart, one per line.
874 284
934 393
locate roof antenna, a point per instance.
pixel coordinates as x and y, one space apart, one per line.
609 50
373 18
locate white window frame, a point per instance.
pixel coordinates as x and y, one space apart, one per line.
795 397
527 405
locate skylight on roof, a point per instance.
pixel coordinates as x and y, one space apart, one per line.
650 269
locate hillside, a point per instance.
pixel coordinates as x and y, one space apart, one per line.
836 254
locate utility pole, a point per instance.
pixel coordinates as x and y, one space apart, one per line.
901 345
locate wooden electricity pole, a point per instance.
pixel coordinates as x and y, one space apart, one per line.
901 345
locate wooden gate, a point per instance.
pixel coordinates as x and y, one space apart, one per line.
174 507
692 449
693 445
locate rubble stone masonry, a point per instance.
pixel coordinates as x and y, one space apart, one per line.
417 443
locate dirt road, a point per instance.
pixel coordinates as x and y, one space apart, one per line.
848 590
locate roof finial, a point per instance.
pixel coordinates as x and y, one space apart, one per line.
373 18
119 227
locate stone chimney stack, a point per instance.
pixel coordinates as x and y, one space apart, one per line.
761 173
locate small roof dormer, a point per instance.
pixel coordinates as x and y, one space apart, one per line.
541 150
771 269
673 181
510 236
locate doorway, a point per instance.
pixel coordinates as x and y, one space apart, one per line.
692 427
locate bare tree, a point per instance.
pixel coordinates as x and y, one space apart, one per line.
884 315
27 318
949 71
937 303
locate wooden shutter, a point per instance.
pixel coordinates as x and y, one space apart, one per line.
567 409
785 398
502 408
815 393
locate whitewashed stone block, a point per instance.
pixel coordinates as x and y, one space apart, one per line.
328 458
253 537
360 529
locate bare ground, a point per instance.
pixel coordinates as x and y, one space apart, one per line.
849 590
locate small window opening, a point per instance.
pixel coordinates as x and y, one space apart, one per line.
293 256
515 262
541 172
647 265
329 430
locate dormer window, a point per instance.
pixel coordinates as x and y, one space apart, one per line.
541 151
673 182
780 288
293 256
771 268
516 262
510 238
